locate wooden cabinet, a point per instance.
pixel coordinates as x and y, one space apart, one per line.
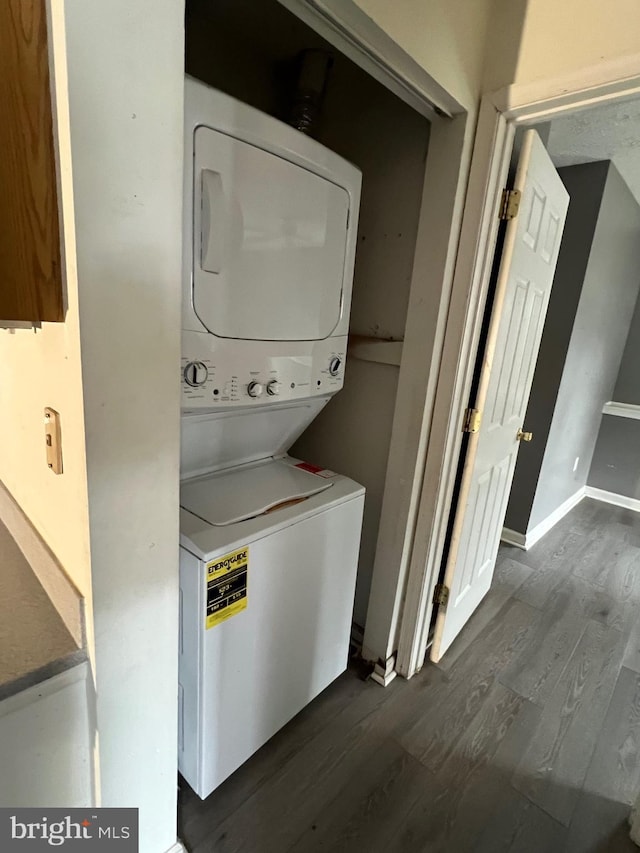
31 286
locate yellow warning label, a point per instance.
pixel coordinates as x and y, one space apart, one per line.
226 584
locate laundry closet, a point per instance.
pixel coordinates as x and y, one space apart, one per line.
252 51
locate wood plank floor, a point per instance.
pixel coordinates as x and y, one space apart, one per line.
526 737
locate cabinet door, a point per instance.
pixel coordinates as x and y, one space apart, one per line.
30 267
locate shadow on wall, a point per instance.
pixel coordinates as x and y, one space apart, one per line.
502 49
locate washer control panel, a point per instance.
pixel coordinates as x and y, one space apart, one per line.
255 389
222 374
335 365
195 373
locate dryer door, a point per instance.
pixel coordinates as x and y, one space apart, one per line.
269 243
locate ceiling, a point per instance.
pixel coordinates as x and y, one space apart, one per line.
610 132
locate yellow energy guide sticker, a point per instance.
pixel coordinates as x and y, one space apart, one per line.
226 580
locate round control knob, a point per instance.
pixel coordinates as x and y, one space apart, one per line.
195 374
334 365
254 389
273 388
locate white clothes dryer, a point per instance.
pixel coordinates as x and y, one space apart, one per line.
270 226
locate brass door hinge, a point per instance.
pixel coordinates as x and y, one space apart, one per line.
441 595
472 418
510 204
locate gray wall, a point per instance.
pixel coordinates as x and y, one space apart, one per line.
616 461
600 332
627 388
598 336
585 185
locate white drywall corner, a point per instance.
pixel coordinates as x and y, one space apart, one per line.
126 73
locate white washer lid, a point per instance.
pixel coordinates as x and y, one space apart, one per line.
227 498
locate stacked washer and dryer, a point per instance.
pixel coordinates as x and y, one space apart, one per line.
269 545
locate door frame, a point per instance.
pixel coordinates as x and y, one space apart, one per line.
501 113
344 25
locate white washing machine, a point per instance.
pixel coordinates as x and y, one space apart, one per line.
269 544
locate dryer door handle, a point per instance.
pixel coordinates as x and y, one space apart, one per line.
212 221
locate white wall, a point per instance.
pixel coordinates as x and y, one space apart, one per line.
563 37
38 368
41 367
125 65
502 48
446 37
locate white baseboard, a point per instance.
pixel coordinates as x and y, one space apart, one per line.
178 847
383 680
622 410
613 498
512 537
384 672
557 515
526 541
529 539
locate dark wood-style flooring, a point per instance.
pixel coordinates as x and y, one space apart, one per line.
525 738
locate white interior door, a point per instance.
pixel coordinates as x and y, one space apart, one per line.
529 257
